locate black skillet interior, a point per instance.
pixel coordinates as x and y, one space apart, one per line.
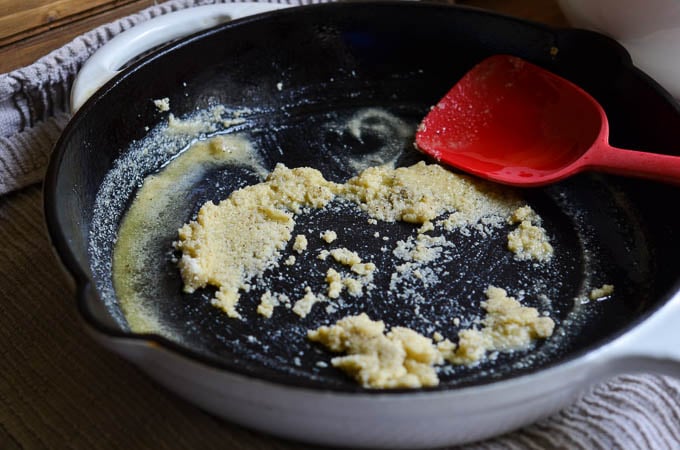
336 62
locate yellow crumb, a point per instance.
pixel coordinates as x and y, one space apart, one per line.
605 291
304 306
300 244
162 104
345 256
329 236
507 326
523 213
267 304
529 241
334 280
401 358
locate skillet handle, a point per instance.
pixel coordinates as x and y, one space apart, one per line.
110 58
652 346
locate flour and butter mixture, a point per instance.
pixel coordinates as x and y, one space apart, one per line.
402 358
231 243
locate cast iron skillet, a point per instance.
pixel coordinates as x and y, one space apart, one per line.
335 62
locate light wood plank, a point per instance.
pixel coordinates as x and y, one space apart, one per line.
16 17
28 20
28 50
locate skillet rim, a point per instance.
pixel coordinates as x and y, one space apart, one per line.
84 283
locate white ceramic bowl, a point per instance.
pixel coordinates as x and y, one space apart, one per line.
648 29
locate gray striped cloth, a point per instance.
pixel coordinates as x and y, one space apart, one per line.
58 389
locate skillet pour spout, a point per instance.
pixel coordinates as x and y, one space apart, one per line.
298 73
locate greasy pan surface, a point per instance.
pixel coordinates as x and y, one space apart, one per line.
337 63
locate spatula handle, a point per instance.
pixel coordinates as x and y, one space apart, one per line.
632 163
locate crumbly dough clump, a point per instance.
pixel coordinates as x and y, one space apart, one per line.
352 260
300 244
529 240
508 326
304 306
405 358
420 193
237 239
162 104
267 304
269 301
337 283
329 236
401 358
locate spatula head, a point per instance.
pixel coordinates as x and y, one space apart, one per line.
513 122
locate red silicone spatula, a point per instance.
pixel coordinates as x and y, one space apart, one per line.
510 121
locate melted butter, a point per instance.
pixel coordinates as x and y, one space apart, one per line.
153 214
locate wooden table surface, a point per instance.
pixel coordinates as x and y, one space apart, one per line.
29 30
